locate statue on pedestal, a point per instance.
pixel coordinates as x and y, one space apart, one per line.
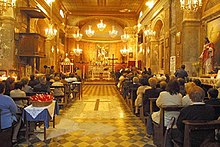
207 56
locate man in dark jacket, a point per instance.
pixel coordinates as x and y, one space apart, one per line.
197 111
181 73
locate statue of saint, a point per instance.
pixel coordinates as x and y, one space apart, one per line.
207 56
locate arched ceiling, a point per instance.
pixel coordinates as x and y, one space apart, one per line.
118 13
103 7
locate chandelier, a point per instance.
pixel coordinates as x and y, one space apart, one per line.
5 4
191 5
113 33
124 51
101 26
90 32
77 51
50 32
124 37
149 33
77 36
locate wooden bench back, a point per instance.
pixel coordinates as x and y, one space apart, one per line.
159 129
27 98
35 93
63 98
191 125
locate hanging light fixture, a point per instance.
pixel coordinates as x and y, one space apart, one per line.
77 36
191 5
90 32
5 4
113 33
101 26
51 32
149 32
124 51
77 51
124 37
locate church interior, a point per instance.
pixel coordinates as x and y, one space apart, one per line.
159 34
95 39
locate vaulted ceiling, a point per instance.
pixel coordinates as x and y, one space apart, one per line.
118 13
102 7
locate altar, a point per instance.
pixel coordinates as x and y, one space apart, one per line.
99 72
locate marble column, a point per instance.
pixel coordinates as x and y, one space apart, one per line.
154 46
191 40
7 43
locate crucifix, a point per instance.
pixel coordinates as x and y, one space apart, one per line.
113 59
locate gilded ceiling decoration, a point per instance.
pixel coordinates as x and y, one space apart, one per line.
95 7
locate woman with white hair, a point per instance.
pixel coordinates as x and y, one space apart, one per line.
57 91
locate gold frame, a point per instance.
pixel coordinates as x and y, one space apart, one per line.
178 37
130 54
167 42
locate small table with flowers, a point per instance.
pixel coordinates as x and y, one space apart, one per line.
40 114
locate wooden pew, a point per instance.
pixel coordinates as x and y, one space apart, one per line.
152 100
143 116
35 93
131 100
159 129
61 99
192 125
27 98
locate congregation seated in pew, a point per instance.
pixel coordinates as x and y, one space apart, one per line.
25 87
169 97
18 92
152 92
42 86
214 101
57 91
197 111
132 90
140 91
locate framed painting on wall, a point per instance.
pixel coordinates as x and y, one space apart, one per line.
178 37
130 54
213 33
167 42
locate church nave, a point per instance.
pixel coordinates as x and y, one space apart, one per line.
101 118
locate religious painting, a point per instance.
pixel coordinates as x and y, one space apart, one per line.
172 64
178 37
130 54
102 52
213 33
167 42
3 73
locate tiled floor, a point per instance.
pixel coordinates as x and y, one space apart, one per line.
99 119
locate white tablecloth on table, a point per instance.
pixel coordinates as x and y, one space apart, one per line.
35 111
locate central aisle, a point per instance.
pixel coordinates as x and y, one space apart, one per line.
100 119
